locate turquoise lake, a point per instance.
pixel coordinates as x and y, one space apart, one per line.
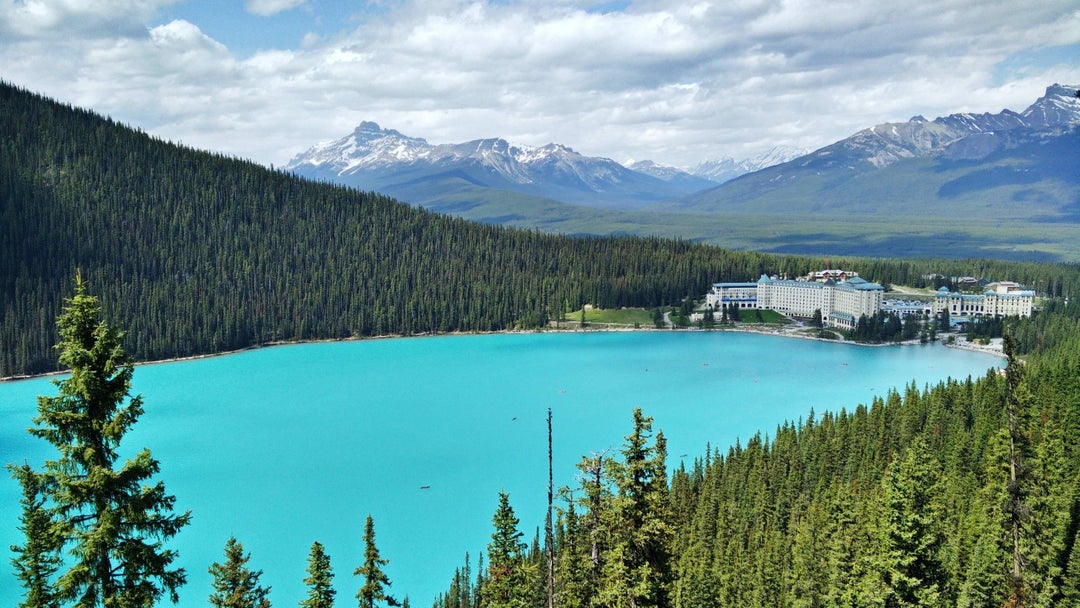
287 445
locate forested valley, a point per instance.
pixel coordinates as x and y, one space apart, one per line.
196 253
961 494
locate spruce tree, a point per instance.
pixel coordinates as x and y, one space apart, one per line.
637 571
376 584
319 579
505 585
109 517
235 585
38 560
1020 478
910 561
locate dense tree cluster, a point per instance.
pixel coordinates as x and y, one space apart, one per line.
962 494
198 253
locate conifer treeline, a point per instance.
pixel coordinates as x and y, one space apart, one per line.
911 501
198 253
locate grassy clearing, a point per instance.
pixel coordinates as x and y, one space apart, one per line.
623 317
772 317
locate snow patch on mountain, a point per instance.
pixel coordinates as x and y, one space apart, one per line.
371 148
884 144
727 169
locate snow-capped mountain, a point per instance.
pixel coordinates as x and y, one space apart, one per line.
452 177
1016 162
672 175
372 157
887 143
727 169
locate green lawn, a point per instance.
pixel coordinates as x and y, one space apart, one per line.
623 317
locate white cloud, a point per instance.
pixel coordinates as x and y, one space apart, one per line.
676 82
266 8
32 18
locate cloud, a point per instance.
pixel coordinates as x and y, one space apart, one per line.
101 18
266 8
676 82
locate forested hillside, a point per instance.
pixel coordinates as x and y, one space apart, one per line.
197 253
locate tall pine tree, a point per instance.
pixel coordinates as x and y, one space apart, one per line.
910 559
506 585
638 570
236 585
319 579
376 585
110 517
1020 477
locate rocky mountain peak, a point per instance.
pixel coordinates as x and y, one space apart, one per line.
1059 106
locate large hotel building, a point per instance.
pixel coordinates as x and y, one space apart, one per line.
843 297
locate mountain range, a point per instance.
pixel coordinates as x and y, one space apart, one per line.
374 158
1003 184
954 141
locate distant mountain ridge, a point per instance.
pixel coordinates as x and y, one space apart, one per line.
372 157
887 143
875 165
1002 184
727 169
376 158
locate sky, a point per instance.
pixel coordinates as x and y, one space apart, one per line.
678 82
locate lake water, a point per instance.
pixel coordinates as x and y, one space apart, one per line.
287 445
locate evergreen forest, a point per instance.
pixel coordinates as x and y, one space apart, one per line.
962 494
966 493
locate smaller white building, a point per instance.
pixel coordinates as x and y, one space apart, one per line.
1001 299
837 275
740 295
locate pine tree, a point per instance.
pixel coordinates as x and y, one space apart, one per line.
235 585
910 561
506 585
376 584
109 517
983 583
37 560
808 582
637 570
572 566
1018 486
319 579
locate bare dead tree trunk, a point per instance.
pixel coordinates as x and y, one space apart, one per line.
550 540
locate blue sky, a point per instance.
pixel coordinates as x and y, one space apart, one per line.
674 81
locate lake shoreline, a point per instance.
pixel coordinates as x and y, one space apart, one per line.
752 329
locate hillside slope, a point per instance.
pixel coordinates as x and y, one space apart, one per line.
198 253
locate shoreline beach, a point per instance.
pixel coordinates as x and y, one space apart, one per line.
785 331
